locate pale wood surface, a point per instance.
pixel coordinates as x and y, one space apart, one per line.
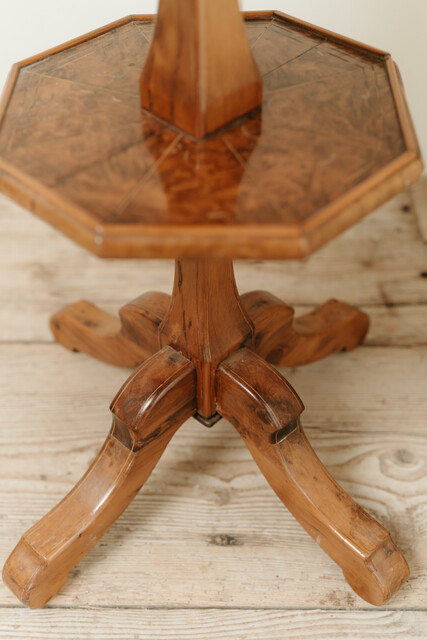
419 199
215 624
206 546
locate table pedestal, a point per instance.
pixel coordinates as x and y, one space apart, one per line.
204 354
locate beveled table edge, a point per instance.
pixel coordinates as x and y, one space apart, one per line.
274 242
254 241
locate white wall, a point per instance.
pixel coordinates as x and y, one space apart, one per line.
398 26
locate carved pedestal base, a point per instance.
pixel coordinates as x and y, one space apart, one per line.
204 354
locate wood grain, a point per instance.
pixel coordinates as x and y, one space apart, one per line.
395 465
200 74
377 265
206 485
158 397
126 185
419 199
206 321
364 435
266 411
125 342
287 341
207 524
214 624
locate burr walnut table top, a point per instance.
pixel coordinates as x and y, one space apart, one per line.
332 142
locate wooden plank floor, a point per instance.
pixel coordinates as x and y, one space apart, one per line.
207 551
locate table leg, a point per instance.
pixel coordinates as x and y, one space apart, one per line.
212 363
124 342
148 410
265 410
291 342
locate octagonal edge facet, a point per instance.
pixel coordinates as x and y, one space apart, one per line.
334 140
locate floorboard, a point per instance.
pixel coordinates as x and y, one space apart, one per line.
214 624
206 550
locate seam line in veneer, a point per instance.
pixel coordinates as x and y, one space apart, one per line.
234 151
300 55
125 202
349 138
261 35
94 88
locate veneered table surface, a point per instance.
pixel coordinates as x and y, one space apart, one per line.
333 140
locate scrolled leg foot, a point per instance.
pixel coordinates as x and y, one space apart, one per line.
386 571
124 342
147 411
30 577
290 342
265 410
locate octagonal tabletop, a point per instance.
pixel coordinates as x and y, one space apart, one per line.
333 141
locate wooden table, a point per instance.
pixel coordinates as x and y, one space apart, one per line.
260 150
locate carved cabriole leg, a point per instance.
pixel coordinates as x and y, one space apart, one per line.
147 411
265 411
290 342
125 342
208 364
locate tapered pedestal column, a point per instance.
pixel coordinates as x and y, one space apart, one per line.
200 74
